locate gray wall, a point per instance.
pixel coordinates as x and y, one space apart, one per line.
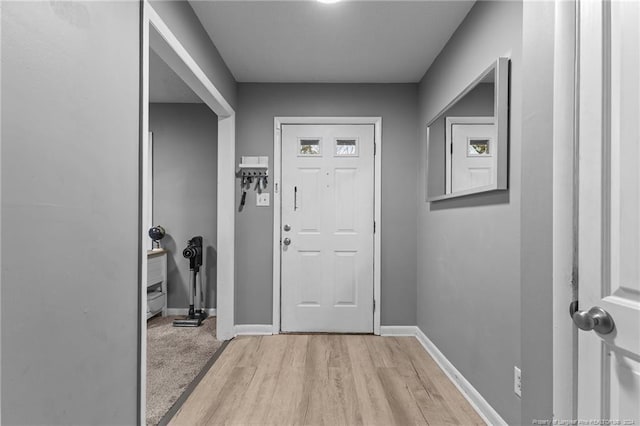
469 248
185 25
185 169
397 104
70 139
537 211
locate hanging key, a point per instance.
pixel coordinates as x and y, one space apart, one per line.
243 199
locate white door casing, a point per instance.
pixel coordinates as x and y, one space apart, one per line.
467 167
328 203
609 209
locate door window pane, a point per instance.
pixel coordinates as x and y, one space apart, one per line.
309 147
346 148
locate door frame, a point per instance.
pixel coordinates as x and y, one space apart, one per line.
278 122
565 202
156 34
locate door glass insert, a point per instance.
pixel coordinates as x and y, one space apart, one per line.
309 147
346 148
478 147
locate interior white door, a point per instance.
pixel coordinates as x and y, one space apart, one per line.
327 234
471 157
609 209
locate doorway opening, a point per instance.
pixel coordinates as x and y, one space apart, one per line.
161 48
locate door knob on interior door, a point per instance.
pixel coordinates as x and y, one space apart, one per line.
286 241
595 318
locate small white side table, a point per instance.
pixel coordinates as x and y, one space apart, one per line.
156 282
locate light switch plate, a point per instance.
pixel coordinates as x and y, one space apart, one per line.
262 200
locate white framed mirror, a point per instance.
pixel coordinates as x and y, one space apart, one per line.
467 142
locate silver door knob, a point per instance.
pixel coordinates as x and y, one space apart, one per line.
287 228
286 241
595 319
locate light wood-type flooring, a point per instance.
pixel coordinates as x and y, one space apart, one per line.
325 380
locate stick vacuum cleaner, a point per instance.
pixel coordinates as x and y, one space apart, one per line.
193 252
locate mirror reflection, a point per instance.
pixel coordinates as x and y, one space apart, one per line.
467 140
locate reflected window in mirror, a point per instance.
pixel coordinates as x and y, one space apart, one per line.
478 147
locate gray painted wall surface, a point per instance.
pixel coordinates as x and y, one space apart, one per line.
469 248
185 25
537 210
164 84
397 104
185 168
70 138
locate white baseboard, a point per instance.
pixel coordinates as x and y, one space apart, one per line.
253 329
184 311
482 407
398 330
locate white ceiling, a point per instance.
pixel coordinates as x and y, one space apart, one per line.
165 85
348 42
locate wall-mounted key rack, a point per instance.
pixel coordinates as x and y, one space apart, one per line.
253 169
254 165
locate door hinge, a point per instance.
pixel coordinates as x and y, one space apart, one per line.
374 226
374 305
375 148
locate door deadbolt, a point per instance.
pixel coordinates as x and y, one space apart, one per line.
287 228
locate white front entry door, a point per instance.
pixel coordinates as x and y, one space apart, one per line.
609 210
471 152
327 228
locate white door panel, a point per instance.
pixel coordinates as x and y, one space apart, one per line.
470 152
609 209
327 201
472 170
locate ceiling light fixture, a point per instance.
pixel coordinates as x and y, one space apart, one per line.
328 1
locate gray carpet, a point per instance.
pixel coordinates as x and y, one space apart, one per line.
175 356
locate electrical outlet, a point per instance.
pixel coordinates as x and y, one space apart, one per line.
262 199
517 381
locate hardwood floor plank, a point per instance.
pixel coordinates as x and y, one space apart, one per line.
325 380
231 399
316 381
287 398
287 404
195 407
377 349
428 398
343 395
250 356
430 372
260 390
373 405
404 408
